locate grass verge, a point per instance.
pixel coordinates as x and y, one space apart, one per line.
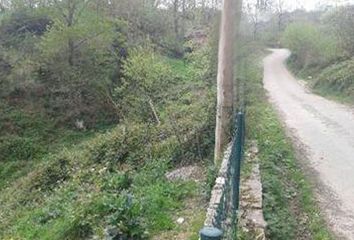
334 81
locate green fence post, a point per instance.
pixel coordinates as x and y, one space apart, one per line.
210 233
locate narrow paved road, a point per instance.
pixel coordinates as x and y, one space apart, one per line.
325 131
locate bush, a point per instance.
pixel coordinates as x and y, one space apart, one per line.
337 79
123 144
309 45
146 78
126 218
21 24
19 148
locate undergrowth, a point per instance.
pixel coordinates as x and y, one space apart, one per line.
113 183
337 81
334 80
26 137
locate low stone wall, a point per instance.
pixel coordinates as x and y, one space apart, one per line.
251 219
217 195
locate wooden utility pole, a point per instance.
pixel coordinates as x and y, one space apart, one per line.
225 81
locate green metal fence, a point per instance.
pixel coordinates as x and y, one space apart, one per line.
221 222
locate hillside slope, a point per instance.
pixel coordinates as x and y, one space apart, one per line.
115 180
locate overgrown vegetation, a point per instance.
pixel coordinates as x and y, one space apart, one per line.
323 52
98 100
115 179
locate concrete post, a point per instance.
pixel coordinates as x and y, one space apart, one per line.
210 233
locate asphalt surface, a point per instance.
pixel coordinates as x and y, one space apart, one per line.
324 131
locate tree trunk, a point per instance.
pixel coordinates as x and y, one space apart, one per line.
175 16
70 22
154 112
280 22
225 86
183 32
71 49
255 31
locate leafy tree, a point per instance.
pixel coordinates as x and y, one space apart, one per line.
81 55
341 22
255 11
67 55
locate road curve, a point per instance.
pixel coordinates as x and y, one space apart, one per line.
325 131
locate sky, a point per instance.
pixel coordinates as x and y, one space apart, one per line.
312 4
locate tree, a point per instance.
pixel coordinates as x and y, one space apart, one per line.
255 10
176 18
225 86
341 22
279 10
4 4
80 61
70 11
2 7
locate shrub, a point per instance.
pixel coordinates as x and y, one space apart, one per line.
337 78
121 145
21 24
309 45
146 78
126 217
18 148
52 175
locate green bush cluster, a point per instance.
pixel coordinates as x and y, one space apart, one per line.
310 47
146 79
322 52
114 182
337 79
135 201
15 147
69 62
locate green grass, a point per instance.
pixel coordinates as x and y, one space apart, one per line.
99 183
335 81
290 208
110 179
180 67
334 95
79 183
26 138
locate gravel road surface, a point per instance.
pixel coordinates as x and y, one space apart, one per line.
324 130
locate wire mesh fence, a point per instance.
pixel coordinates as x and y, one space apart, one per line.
221 220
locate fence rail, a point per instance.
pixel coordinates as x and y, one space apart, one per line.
221 220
